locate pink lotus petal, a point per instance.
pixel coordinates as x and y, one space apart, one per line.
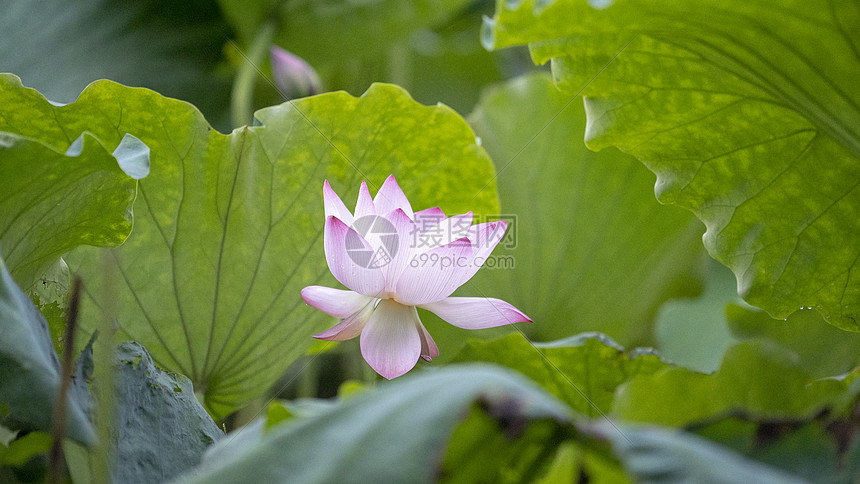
429 350
444 232
476 312
428 217
433 275
364 205
390 341
334 205
350 327
343 247
335 302
390 197
487 234
484 238
405 234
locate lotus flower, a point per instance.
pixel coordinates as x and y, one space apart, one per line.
395 260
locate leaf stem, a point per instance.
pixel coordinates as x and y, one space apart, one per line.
242 99
55 458
399 67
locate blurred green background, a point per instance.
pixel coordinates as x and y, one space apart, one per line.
193 50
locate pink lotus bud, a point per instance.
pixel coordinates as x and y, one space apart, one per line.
293 76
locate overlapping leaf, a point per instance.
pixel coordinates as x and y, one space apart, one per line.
749 114
54 201
228 229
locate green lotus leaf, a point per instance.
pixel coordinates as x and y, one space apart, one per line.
747 111
228 228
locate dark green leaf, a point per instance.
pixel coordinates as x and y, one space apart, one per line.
30 370
162 429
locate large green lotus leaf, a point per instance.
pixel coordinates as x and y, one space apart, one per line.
757 377
228 228
747 111
399 433
55 201
161 429
590 247
583 371
172 47
30 374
